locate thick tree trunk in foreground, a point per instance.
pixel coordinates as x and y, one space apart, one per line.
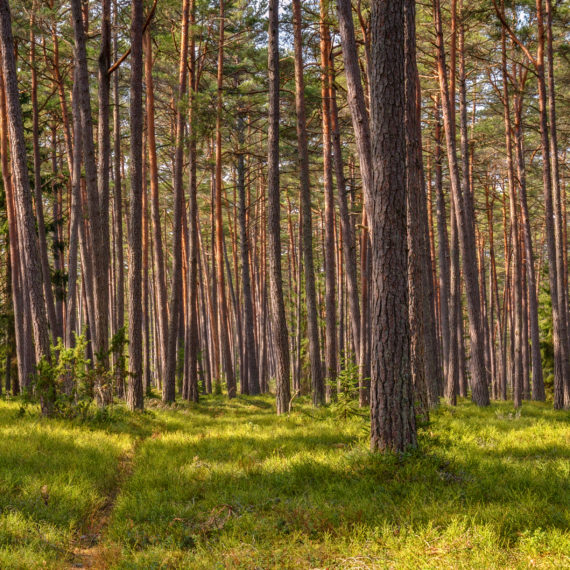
392 407
280 333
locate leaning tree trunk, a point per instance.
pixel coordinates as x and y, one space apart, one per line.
280 333
393 425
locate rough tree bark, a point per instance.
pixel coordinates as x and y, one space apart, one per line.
280 333
393 425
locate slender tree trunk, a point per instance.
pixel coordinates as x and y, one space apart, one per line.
16 256
75 219
280 333
135 394
517 277
331 341
104 148
348 244
192 345
99 240
162 316
480 391
312 321
118 206
169 374
538 392
38 195
223 304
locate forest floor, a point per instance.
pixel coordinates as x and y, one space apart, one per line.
229 485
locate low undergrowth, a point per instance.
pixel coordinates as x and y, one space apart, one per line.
230 485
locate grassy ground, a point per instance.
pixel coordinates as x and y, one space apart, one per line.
229 485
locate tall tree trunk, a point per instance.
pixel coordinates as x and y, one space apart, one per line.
280 333
135 394
253 372
348 245
42 241
538 392
480 391
443 253
162 313
310 290
559 223
192 345
104 149
169 375
75 219
24 208
23 344
223 304
419 319
393 425
517 277
118 206
331 346
100 261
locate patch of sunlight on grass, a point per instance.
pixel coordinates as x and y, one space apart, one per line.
54 476
228 485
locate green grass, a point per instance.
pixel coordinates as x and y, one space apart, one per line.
230 485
